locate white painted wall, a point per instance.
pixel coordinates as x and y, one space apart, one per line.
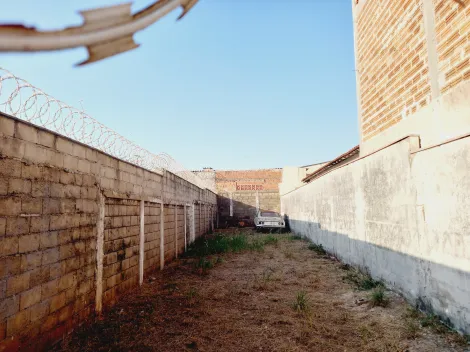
404 216
292 176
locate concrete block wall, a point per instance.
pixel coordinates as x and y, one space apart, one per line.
121 248
244 204
180 229
400 213
152 236
70 231
169 233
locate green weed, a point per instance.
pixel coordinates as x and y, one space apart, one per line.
363 281
318 248
218 244
271 240
301 303
295 238
257 245
203 264
378 297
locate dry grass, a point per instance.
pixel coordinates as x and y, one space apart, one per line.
259 299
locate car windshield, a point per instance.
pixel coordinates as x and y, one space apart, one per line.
270 214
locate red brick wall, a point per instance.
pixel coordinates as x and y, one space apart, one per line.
267 179
391 62
242 186
453 42
393 72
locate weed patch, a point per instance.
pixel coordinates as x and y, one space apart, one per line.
257 245
295 238
363 281
317 248
264 280
416 320
203 264
218 244
301 303
271 240
378 297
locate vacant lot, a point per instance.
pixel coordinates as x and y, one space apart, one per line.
266 293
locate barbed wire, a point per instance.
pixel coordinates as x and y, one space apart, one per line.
22 100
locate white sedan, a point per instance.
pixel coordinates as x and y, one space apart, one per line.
269 220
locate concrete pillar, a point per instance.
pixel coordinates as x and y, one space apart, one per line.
231 205
200 220
212 219
185 232
176 231
192 236
162 236
141 242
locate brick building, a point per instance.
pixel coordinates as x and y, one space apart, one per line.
413 70
241 192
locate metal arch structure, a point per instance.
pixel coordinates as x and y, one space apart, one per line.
22 100
106 31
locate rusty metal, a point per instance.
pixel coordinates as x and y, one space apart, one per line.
105 32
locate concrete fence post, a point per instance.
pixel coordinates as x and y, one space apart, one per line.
141 242
185 232
231 205
212 219
193 223
99 253
162 236
200 220
176 231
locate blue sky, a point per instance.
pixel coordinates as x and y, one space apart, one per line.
237 84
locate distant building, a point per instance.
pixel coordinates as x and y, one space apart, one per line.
241 192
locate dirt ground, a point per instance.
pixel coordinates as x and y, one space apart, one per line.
283 297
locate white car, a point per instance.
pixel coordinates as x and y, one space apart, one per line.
269 220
